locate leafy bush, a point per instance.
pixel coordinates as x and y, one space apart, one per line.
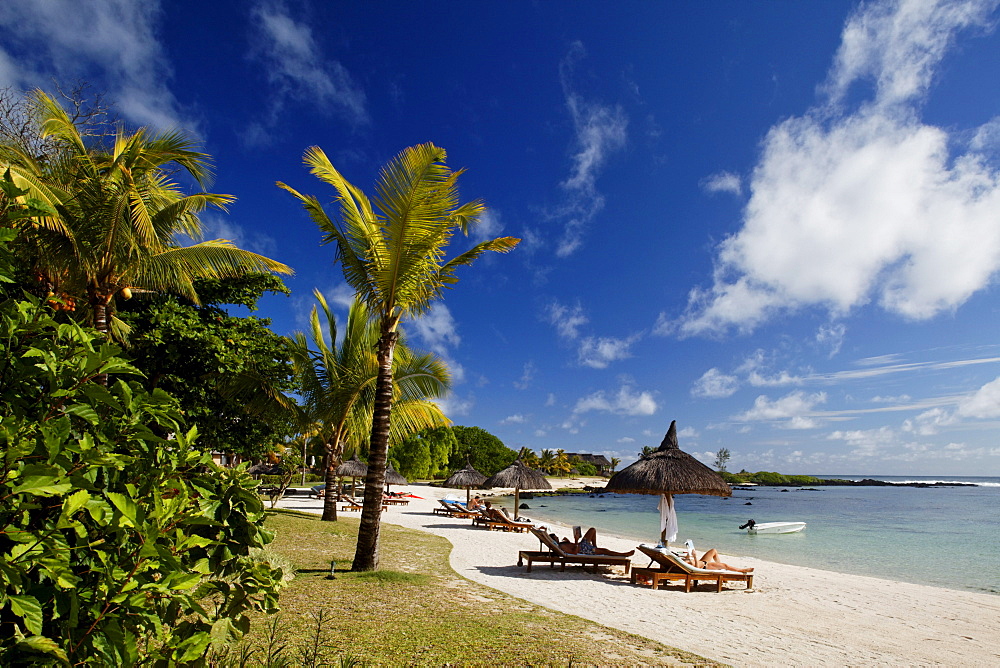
118 540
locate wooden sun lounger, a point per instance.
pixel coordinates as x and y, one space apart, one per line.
495 519
455 510
669 567
352 504
395 501
555 555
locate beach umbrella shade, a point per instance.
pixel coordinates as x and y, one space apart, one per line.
352 468
666 472
392 477
467 478
518 476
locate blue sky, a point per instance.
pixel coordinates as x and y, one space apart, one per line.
777 223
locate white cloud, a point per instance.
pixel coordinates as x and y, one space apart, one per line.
599 352
625 402
626 439
600 130
297 68
437 329
342 295
794 407
567 319
984 403
517 418
111 41
849 207
454 405
526 376
714 384
490 226
550 400
219 227
831 336
723 182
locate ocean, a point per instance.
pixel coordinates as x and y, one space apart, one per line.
940 536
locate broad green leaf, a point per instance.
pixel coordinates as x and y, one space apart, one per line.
84 411
125 506
40 643
42 486
75 502
29 609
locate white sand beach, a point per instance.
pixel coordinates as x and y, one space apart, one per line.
793 615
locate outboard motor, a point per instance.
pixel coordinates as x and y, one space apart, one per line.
749 525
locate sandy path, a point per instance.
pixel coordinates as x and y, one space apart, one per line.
793 616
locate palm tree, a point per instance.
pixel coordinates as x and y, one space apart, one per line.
546 460
119 214
561 465
615 461
392 252
528 457
338 386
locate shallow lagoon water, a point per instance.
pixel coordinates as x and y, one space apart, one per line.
941 536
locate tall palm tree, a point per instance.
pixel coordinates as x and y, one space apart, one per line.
546 461
120 214
392 252
337 383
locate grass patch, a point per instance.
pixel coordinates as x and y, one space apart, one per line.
417 611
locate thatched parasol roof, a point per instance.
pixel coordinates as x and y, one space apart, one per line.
518 476
352 468
466 477
392 477
668 471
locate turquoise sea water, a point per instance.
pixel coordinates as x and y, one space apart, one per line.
941 536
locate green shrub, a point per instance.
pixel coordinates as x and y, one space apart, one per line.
119 541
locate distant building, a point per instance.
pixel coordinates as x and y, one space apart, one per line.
227 459
600 462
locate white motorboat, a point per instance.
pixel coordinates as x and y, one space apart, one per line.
773 527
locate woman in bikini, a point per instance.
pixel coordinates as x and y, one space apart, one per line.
587 544
710 560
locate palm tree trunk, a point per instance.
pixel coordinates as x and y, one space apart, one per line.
366 555
100 308
332 461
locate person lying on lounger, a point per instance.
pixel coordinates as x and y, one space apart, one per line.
588 545
709 560
475 504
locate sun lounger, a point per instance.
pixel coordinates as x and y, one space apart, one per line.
670 566
353 504
394 500
456 510
555 554
497 519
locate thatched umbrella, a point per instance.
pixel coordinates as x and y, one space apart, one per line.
666 472
392 477
353 468
467 478
518 476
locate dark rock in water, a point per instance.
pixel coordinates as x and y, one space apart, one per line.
602 510
527 495
543 506
524 506
593 496
808 489
784 490
747 504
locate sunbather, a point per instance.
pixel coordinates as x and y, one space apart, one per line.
710 560
475 504
587 544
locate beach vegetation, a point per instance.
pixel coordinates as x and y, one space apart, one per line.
425 454
392 252
120 540
769 478
487 453
231 374
337 382
117 213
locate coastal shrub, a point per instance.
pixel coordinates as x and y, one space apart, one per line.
768 478
120 542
